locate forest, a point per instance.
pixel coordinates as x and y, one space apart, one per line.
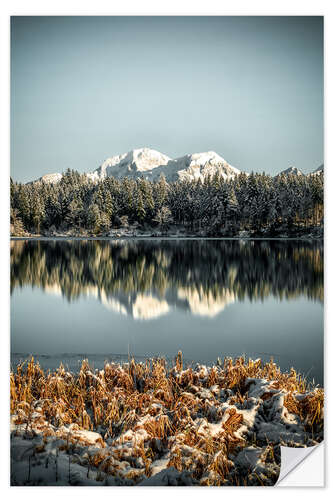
257 204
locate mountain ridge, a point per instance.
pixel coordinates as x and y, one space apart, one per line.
291 171
151 164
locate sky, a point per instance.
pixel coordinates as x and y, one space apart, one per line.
87 88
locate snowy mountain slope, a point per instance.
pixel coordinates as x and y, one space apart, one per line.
297 171
198 166
150 164
290 171
133 164
318 170
49 178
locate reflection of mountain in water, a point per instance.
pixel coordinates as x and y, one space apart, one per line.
146 279
150 305
202 304
140 306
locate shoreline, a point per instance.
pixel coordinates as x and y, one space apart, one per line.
73 361
157 238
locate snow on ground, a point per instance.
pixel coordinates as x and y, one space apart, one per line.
212 432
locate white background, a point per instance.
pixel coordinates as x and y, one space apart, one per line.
145 7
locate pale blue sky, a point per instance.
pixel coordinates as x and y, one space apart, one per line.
86 88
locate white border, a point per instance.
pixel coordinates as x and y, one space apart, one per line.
148 7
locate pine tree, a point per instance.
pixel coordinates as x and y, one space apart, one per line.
94 218
108 205
148 199
163 218
16 224
37 210
161 192
232 207
74 215
140 209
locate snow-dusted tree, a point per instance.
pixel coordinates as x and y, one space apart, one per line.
146 189
94 218
254 202
123 221
37 210
160 192
108 205
75 213
140 208
16 224
163 218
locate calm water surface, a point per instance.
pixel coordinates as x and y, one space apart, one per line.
208 298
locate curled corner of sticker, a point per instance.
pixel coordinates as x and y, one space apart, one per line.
302 466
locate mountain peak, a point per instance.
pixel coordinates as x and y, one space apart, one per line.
200 165
150 164
49 178
130 164
291 171
319 169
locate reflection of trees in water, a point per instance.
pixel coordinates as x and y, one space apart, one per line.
251 269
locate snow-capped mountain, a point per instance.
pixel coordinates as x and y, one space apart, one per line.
150 164
318 170
297 171
49 178
136 163
198 166
291 171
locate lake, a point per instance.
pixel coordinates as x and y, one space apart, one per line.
104 299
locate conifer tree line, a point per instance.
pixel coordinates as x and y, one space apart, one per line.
258 203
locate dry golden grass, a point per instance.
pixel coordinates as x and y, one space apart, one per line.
154 407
